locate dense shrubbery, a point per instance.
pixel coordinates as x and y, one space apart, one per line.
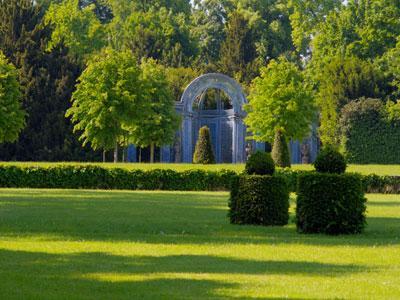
260 163
260 200
330 160
330 203
95 177
368 136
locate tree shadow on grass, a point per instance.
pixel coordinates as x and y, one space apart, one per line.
103 276
165 217
385 203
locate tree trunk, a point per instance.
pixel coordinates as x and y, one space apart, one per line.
140 155
104 156
123 155
116 153
152 153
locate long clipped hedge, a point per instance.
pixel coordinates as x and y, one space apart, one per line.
97 177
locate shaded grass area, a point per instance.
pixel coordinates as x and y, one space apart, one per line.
68 244
363 169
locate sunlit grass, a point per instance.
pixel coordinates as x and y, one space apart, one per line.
364 169
63 244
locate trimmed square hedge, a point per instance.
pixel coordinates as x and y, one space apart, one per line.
259 200
330 203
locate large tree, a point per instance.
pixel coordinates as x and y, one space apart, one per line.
238 51
280 100
108 101
341 81
77 27
161 35
12 116
208 25
47 79
306 17
160 122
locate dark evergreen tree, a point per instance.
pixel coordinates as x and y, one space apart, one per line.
280 150
238 51
203 153
47 80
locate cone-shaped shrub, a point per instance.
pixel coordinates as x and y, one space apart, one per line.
260 163
329 160
280 150
203 153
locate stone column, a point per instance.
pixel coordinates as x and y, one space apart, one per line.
165 154
187 136
240 150
131 153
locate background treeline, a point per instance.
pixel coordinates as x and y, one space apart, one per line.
347 52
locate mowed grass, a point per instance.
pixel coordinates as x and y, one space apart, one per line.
69 244
363 169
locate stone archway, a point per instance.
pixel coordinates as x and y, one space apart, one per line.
235 116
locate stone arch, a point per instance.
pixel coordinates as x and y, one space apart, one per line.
235 93
214 81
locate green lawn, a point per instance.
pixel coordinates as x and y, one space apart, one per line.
364 169
110 245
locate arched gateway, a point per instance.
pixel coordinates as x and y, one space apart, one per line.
224 118
216 101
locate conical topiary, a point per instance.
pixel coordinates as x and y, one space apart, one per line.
203 153
280 150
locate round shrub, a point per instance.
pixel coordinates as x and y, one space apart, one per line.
259 200
260 163
330 160
330 203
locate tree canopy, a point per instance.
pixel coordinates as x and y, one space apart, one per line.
12 117
159 122
280 100
108 100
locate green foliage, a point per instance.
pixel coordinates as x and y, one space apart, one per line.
393 110
306 18
12 116
260 200
159 122
80 176
109 100
280 150
160 35
280 99
330 203
330 160
208 24
204 153
238 51
79 29
368 135
179 79
47 80
381 184
260 163
95 177
343 80
366 29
